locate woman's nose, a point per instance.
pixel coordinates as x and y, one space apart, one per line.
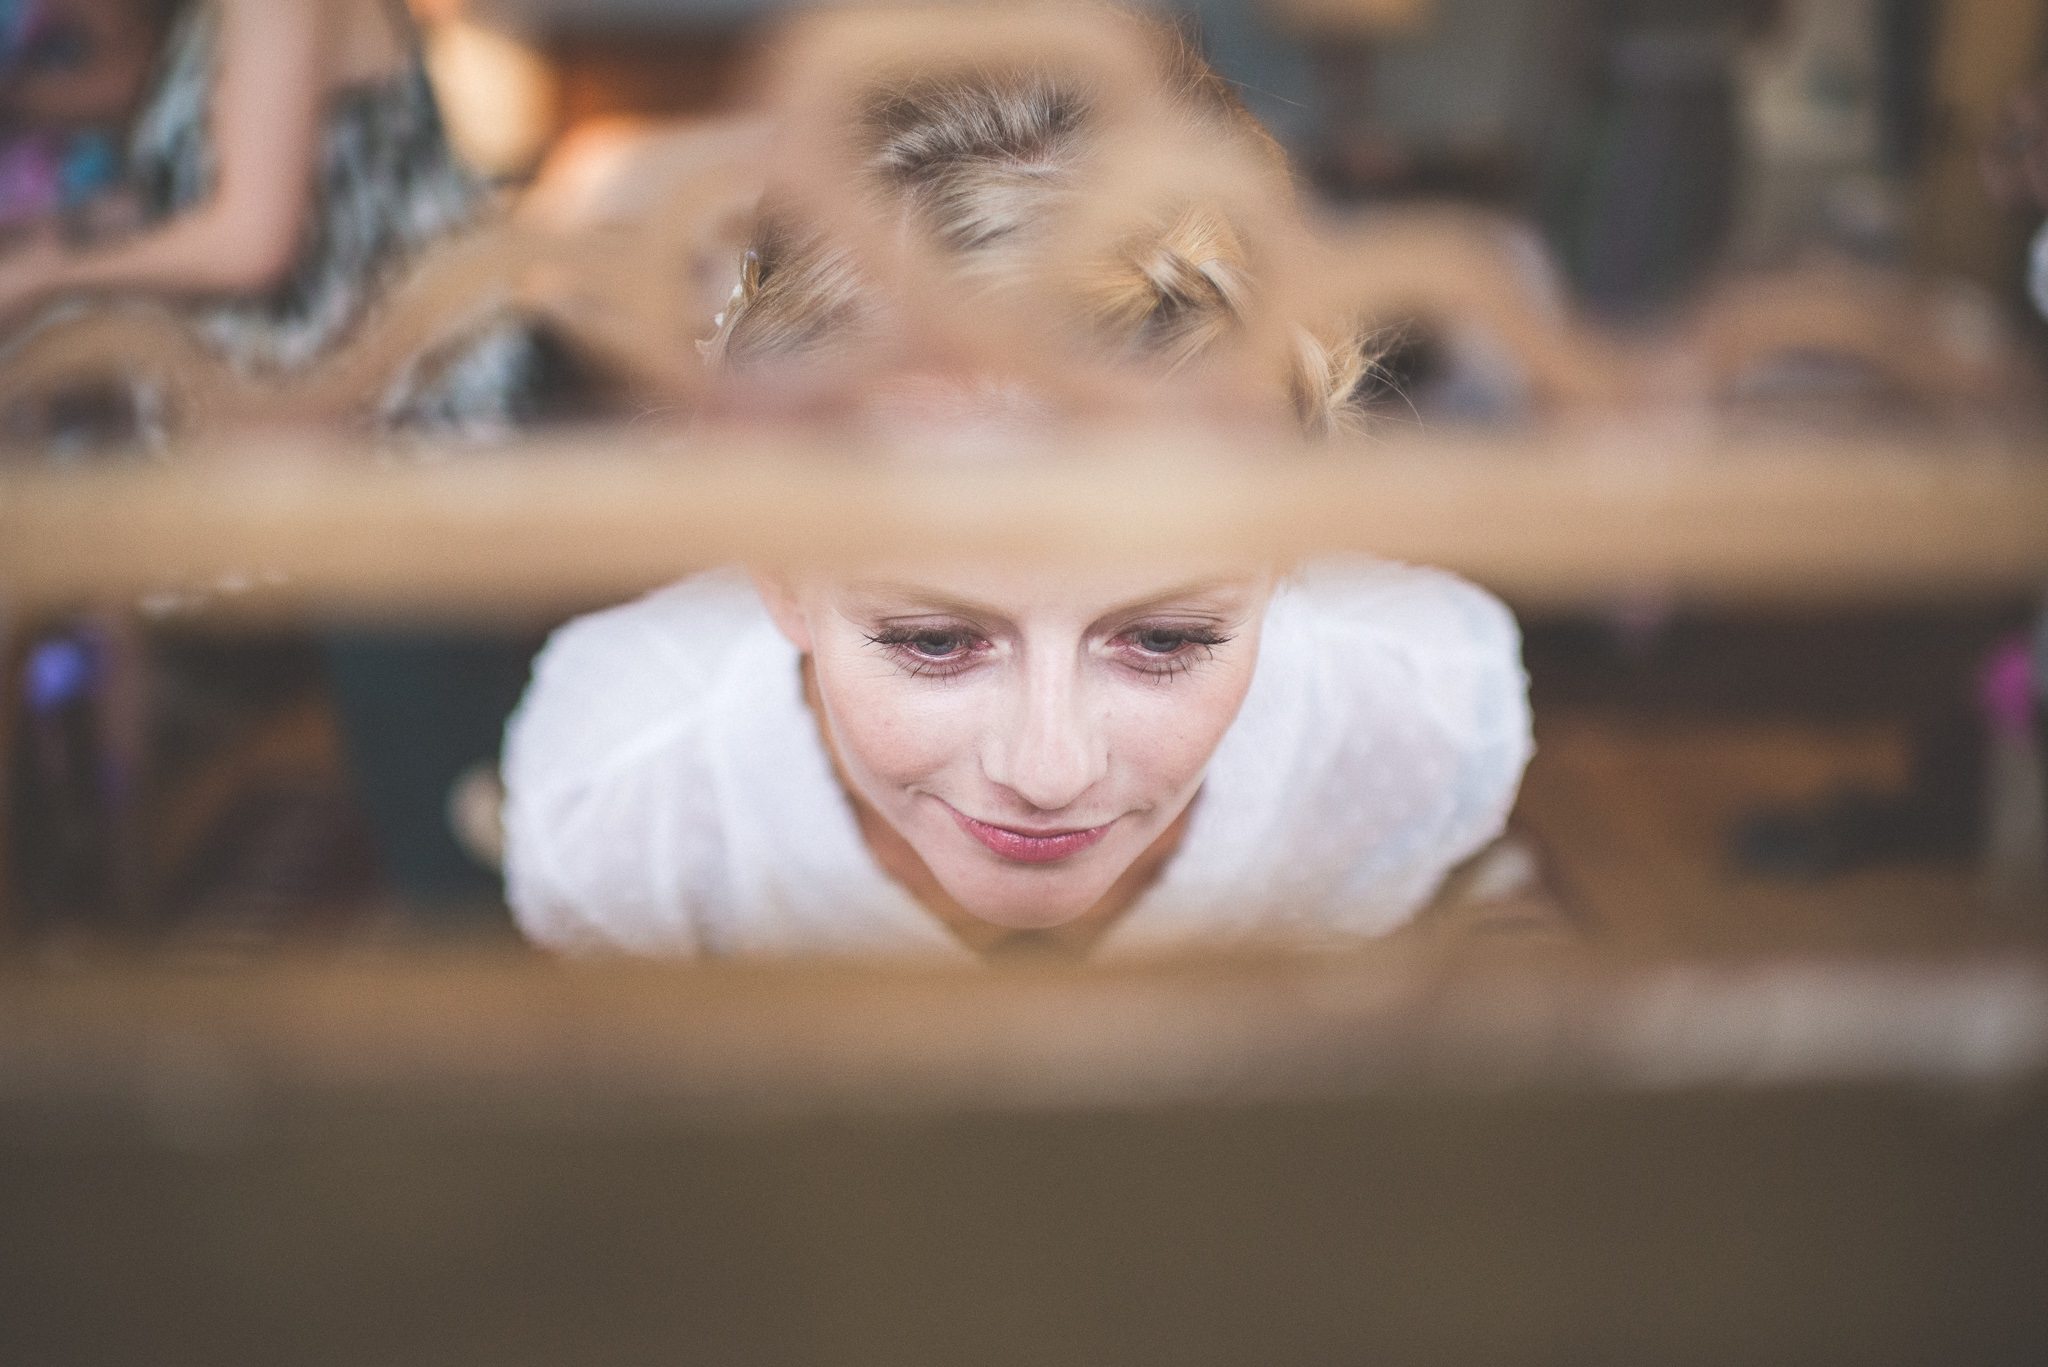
1048 751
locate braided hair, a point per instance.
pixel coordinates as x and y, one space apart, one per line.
986 167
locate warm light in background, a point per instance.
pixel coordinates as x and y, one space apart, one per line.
497 94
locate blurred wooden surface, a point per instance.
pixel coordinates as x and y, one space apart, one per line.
1386 1158
509 1031
1637 816
1983 51
1551 516
623 259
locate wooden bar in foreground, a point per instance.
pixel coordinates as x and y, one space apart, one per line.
1360 1158
1553 517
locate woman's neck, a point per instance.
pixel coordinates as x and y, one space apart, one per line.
903 864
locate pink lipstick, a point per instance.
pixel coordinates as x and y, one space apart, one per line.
1030 847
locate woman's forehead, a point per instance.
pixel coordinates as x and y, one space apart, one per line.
1082 592
985 414
967 404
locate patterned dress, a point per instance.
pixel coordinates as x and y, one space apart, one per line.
417 709
387 185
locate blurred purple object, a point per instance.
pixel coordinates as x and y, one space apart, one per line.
57 672
31 177
2005 687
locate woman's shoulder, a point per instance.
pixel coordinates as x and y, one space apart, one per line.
606 762
1370 635
1413 727
1428 616
606 681
683 632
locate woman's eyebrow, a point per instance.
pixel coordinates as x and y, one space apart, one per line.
1190 595
915 597
873 594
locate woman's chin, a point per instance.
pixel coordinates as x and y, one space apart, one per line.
1028 908
1039 917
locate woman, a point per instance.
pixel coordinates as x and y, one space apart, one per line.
909 760
289 159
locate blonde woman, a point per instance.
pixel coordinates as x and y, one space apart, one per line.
945 763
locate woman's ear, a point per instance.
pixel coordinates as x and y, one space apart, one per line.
779 596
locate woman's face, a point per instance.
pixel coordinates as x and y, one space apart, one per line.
1028 733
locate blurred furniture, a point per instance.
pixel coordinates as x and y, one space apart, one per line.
629 242
1937 340
1464 271
1983 50
624 249
1394 1156
1565 513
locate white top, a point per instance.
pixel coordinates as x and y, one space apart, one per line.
668 792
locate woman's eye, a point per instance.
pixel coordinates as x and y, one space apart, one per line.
1159 642
1162 651
937 645
930 650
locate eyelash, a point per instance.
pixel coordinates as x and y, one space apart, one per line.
1192 646
897 641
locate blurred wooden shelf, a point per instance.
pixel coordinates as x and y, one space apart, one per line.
1554 516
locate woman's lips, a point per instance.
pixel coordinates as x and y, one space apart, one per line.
1029 847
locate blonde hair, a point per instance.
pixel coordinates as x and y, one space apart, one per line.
983 166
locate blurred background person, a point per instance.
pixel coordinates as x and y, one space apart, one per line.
288 160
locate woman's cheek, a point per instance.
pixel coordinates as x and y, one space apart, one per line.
1170 731
1163 742
901 729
